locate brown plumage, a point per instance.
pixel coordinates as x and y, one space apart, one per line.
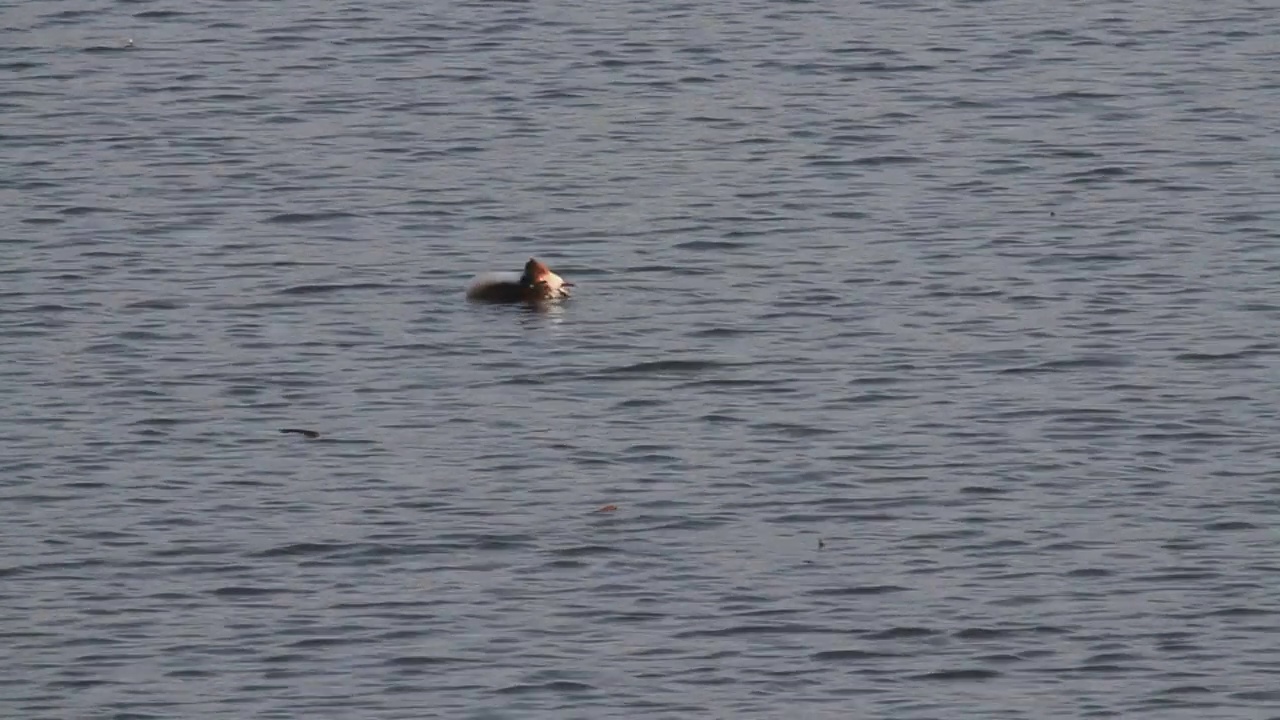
536 284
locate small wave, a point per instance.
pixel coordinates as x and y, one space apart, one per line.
794 430
157 304
1258 695
958 675
302 218
660 367
414 661
583 551
880 68
321 642
300 549
557 686
1226 525
1089 572
1204 357
857 590
708 245
903 633
836 655
160 14
746 630
1097 361
246 591
322 289
106 49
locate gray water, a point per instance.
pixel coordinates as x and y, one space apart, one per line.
926 350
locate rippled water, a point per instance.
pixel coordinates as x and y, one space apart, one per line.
922 364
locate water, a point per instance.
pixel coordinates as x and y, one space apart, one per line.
927 352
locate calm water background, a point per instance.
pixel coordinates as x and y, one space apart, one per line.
981 294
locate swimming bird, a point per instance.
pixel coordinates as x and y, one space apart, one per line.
537 284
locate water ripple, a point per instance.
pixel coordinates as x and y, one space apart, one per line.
918 366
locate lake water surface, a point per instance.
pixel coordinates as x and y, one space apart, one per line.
928 352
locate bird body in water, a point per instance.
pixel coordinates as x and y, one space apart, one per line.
536 284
